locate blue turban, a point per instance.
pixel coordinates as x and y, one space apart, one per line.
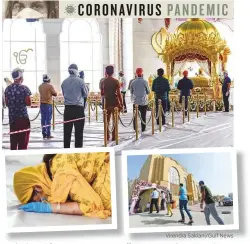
81 74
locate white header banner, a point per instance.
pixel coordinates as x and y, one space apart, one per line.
166 9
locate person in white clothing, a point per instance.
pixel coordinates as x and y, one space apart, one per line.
163 200
123 87
154 200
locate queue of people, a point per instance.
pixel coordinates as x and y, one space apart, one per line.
75 92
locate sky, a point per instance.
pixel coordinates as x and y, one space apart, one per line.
215 169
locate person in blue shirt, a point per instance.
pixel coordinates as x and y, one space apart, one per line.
226 90
183 202
74 91
161 89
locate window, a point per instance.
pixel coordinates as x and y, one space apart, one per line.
174 181
81 44
24 47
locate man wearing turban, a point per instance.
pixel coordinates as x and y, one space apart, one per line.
17 98
139 91
112 94
74 91
46 91
185 85
226 90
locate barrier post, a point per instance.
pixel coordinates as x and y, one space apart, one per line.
105 121
183 109
189 108
116 125
205 104
160 114
214 105
136 122
197 105
53 113
172 108
89 108
153 118
96 109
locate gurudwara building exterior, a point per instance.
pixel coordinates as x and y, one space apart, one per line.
162 172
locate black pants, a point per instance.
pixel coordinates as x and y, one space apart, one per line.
226 101
164 103
162 204
124 101
186 103
143 110
73 112
154 201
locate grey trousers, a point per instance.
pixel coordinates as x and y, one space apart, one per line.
210 209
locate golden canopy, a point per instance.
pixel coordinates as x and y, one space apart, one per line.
195 36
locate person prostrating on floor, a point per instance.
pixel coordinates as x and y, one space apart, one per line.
183 203
161 89
207 197
154 201
46 91
139 92
74 91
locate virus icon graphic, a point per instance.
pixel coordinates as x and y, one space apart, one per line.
70 9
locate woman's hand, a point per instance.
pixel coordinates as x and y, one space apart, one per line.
37 207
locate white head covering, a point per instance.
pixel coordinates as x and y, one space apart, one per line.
17 73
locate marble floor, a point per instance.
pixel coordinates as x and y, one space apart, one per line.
19 218
213 130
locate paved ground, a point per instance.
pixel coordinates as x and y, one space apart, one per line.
161 219
212 130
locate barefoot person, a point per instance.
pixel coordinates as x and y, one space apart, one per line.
47 92
226 90
183 202
113 98
206 196
185 85
74 91
17 98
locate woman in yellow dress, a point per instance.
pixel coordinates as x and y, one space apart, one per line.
76 184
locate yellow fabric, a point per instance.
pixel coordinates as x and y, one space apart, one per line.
85 177
28 177
169 208
94 167
69 182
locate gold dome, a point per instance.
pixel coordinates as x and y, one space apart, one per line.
197 27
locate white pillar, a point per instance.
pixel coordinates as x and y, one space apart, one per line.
104 30
53 28
128 49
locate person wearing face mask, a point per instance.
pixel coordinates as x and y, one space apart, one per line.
17 98
32 10
74 91
81 75
226 83
64 184
46 91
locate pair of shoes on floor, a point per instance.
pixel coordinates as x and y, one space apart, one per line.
48 137
189 222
